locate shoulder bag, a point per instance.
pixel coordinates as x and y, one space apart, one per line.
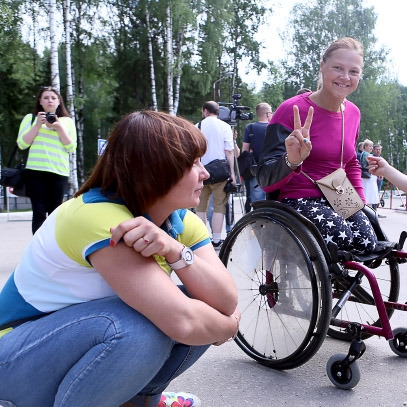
218 171
13 176
337 189
246 161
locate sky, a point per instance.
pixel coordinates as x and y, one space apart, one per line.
390 32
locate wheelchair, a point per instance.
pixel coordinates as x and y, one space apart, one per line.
294 290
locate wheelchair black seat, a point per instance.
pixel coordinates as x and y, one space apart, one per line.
382 250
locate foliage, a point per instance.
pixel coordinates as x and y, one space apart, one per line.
206 38
315 25
312 27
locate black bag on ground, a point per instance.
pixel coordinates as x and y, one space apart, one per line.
13 177
218 171
245 162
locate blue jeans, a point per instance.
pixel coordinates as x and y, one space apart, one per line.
99 353
256 193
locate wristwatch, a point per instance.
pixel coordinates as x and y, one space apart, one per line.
187 258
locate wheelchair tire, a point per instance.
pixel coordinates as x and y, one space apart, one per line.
284 291
361 307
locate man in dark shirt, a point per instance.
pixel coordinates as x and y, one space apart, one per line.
253 141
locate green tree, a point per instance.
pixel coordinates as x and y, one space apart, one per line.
272 92
241 43
313 26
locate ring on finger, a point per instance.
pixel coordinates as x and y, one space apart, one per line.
146 240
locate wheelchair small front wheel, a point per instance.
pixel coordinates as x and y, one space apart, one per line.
399 343
343 375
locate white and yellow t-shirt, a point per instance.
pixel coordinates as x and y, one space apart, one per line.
54 271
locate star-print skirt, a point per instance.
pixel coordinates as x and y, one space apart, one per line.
354 233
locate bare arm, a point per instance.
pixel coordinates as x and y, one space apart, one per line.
379 166
237 149
206 279
245 147
141 283
231 161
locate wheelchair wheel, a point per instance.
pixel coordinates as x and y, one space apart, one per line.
342 375
360 307
283 285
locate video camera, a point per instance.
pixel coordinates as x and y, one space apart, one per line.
233 113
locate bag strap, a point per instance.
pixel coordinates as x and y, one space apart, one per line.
343 139
250 133
25 156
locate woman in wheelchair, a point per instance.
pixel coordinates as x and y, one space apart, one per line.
323 143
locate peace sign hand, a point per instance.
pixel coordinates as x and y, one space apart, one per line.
298 143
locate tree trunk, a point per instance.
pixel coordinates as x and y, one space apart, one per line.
178 68
169 60
55 81
151 60
73 176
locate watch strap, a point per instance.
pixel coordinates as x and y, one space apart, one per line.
187 258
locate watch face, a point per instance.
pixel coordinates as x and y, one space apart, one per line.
188 255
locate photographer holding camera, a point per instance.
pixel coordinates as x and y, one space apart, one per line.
51 136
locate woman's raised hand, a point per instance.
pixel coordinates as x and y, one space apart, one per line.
298 143
144 237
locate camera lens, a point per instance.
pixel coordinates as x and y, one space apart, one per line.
51 118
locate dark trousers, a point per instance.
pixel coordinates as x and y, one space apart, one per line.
46 191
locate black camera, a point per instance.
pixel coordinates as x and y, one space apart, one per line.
51 117
234 112
229 188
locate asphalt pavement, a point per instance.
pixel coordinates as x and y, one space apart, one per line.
226 377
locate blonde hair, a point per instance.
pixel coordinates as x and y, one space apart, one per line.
344 43
367 143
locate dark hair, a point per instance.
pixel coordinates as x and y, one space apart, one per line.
303 90
146 154
344 43
211 107
61 109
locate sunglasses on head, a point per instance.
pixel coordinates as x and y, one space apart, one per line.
49 88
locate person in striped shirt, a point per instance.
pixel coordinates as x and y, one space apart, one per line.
51 136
